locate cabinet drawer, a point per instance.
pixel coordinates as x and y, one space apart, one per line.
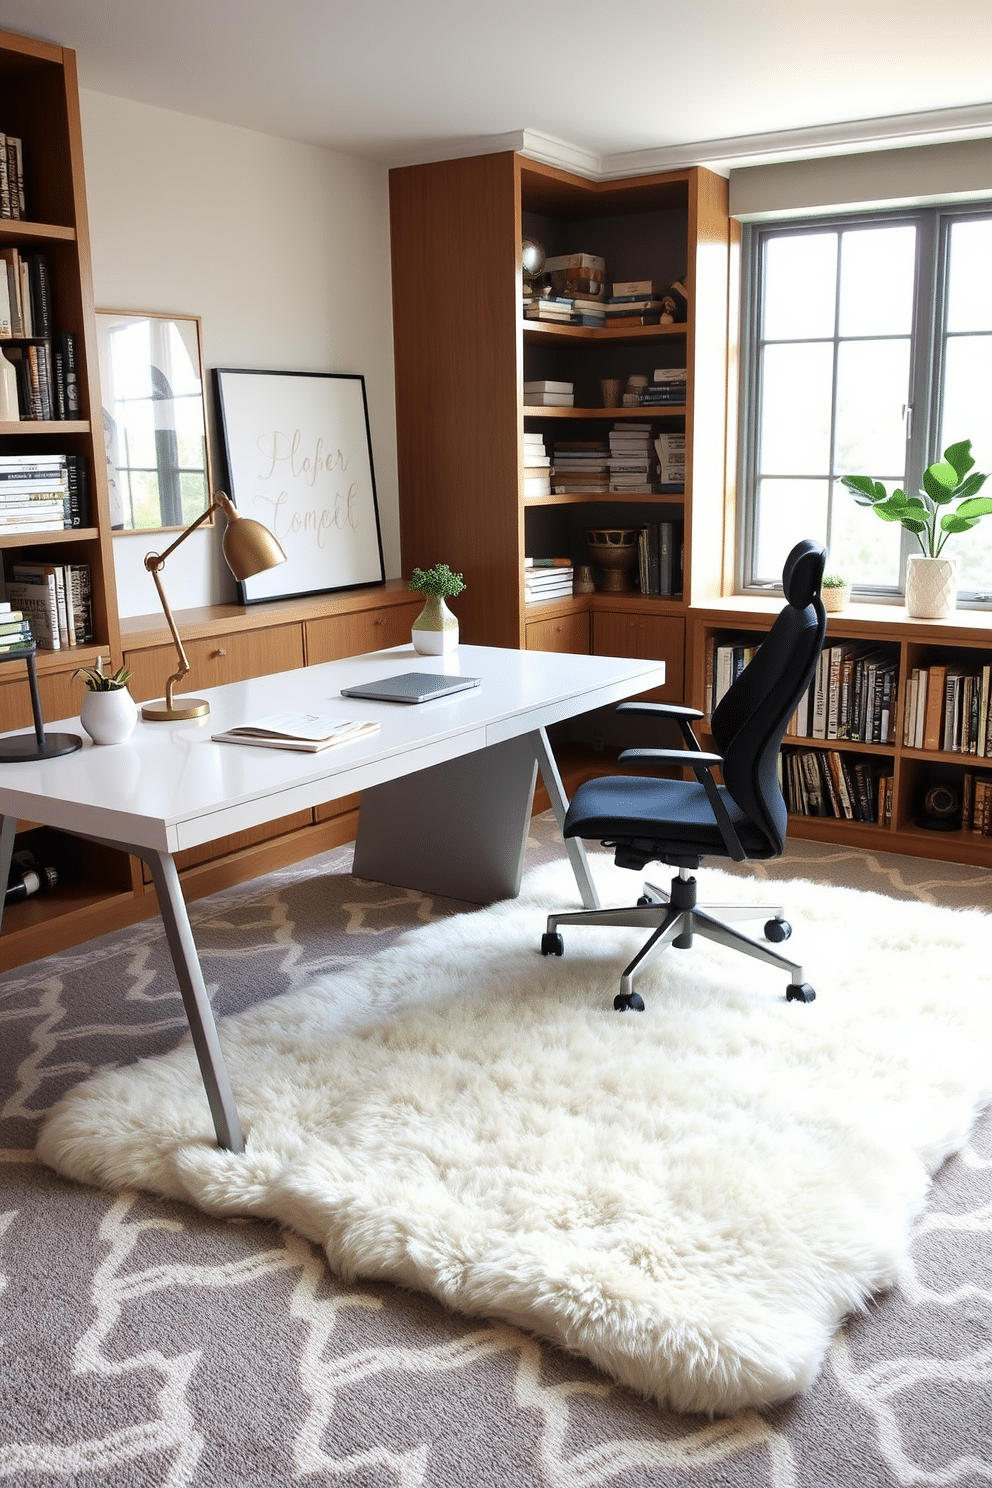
563 633
217 659
333 636
648 638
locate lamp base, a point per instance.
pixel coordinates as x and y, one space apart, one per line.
183 707
25 747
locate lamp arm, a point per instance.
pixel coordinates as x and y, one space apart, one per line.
154 570
220 500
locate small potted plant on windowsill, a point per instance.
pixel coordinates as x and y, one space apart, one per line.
435 630
931 579
108 713
836 592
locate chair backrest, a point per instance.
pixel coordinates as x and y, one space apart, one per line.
750 721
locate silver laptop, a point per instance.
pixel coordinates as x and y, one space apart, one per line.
410 687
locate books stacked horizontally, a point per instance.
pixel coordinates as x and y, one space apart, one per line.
579 275
15 631
636 302
667 389
632 459
547 578
660 557
537 466
949 708
11 177
670 449
580 465
545 394
42 493
56 599
548 307
45 365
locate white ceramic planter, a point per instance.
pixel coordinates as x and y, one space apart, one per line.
435 630
109 717
835 600
931 587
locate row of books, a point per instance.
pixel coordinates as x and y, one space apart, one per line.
12 203
44 360
660 557
949 708
825 782
572 309
56 600
547 578
976 804
43 493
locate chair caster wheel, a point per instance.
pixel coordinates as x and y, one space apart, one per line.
625 1002
644 901
552 944
800 992
777 931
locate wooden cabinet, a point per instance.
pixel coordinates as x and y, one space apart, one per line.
232 656
464 351
623 632
960 645
374 629
567 632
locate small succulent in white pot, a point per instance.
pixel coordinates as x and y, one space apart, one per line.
836 592
108 713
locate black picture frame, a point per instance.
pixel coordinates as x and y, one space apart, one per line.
297 447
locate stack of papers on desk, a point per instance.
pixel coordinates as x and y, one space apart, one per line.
307 731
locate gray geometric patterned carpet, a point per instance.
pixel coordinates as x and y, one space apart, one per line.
144 1343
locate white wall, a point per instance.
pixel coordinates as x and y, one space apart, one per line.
282 249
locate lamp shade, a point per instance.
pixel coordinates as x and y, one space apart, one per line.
249 547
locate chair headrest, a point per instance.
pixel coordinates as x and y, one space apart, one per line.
803 573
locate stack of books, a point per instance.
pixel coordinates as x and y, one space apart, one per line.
666 389
545 394
670 449
56 599
42 493
11 177
636 302
15 631
580 465
537 466
545 307
547 578
632 459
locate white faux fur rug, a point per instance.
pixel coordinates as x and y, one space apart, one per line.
692 1197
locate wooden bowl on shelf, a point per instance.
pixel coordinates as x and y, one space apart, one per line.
614 550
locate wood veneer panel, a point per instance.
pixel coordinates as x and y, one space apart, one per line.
455 251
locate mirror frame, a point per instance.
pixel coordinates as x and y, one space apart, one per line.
103 319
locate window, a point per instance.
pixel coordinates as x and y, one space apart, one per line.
868 350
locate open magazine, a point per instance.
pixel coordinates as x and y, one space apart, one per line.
306 731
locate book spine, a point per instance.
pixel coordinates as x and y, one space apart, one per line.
4 180
65 376
77 472
41 294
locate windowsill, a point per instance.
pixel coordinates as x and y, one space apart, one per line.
858 618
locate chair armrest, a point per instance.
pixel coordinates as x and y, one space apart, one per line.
687 759
660 710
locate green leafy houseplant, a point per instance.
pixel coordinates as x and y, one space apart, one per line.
96 679
438 581
947 481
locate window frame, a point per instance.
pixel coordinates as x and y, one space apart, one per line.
926 377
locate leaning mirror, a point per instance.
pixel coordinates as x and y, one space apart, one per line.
154 422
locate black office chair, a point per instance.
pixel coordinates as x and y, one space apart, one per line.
680 822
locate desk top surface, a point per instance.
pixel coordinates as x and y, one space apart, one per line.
170 785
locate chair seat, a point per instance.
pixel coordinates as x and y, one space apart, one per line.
673 813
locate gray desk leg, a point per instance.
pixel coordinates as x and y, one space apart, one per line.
8 829
574 846
199 1013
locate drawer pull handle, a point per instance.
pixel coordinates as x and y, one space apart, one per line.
220 651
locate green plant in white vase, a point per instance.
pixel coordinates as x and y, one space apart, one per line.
435 630
948 503
108 713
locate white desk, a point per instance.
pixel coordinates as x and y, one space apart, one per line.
460 769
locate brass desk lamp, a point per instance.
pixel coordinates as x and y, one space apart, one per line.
249 548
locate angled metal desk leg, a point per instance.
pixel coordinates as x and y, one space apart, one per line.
574 846
199 1013
8 830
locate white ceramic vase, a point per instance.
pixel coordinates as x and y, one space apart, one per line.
435 630
109 717
931 587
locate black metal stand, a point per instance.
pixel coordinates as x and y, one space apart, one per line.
19 747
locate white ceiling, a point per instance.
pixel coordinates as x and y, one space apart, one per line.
634 85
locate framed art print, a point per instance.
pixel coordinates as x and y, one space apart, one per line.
299 459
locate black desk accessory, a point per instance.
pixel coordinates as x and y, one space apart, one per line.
15 748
